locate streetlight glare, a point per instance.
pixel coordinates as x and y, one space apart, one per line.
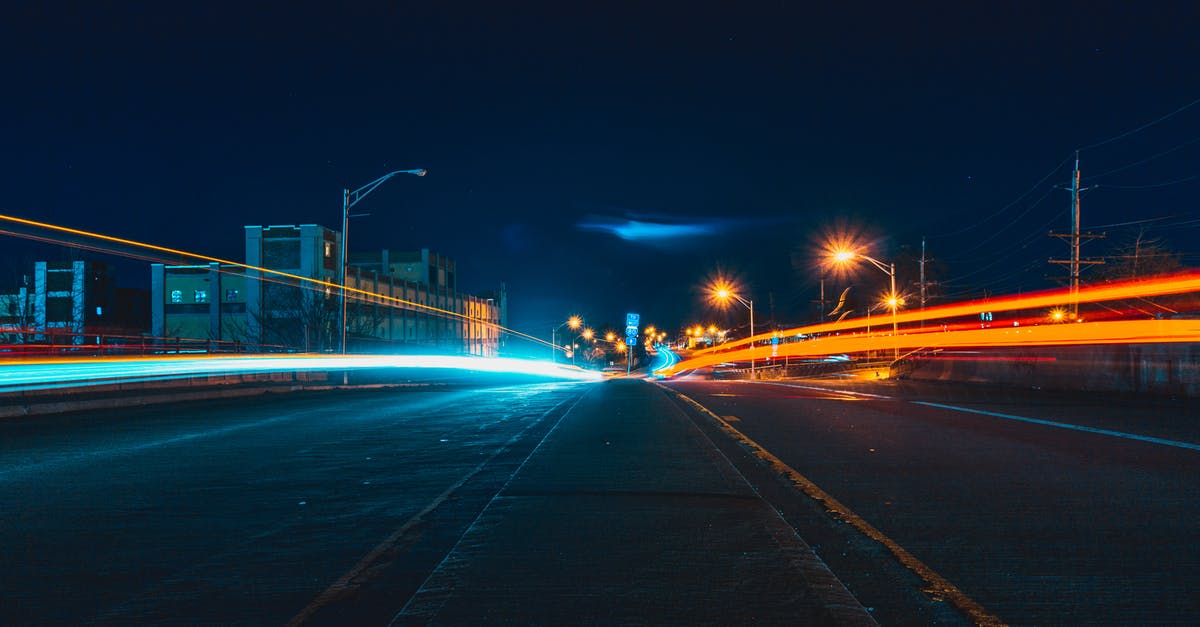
574 322
843 255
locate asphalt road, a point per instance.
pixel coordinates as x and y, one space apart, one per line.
341 507
1087 517
251 512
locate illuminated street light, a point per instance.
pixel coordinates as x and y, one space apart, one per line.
893 300
347 203
610 336
722 293
574 322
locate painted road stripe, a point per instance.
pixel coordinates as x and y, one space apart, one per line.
938 585
820 389
1063 425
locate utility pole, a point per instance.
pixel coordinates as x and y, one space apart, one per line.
922 273
922 280
1075 240
821 303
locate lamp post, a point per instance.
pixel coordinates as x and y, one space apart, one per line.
724 294
349 199
574 322
893 299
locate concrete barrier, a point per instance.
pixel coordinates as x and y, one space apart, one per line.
140 393
1163 369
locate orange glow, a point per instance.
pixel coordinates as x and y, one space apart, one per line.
1142 288
1112 332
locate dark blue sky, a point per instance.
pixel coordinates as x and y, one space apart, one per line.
546 126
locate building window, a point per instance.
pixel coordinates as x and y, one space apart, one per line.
328 249
177 296
201 296
231 296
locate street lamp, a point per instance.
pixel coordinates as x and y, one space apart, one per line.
893 300
723 294
347 203
574 322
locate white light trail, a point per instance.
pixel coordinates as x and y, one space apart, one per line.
22 375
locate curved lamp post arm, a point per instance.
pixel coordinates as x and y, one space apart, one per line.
347 203
891 270
353 197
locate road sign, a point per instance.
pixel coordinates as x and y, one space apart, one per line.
631 319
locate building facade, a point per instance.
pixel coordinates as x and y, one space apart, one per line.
67 302
396 301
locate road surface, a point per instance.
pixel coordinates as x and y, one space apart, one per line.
1044 509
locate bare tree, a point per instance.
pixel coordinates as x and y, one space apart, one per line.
1140 256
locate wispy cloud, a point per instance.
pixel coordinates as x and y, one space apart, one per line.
657 229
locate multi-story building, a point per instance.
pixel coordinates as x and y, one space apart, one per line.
395 300
76 302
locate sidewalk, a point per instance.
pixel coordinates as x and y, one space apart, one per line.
626 513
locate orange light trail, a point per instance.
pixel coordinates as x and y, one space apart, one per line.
1110 332
276 273
848 337
1178 284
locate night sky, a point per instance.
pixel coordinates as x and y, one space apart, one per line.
601 158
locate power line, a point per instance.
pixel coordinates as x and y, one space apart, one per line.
997 232
1005 207
1142 127
1150 158
1167 184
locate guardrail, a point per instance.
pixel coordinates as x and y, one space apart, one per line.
61 343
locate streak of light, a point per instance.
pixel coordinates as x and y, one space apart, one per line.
27 375
664 362
1176 284
295 277
1108 332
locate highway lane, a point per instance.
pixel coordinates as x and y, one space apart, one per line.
247 512
1039 522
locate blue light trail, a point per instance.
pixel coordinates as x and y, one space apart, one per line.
18 376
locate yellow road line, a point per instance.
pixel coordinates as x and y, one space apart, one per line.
938 587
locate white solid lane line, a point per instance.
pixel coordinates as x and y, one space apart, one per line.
1063 425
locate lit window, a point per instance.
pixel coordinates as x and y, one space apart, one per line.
201 296
177 296
328 249
231 296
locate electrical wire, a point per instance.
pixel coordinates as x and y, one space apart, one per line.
1014 201
1147 159
999 231
1142 127
1152 186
